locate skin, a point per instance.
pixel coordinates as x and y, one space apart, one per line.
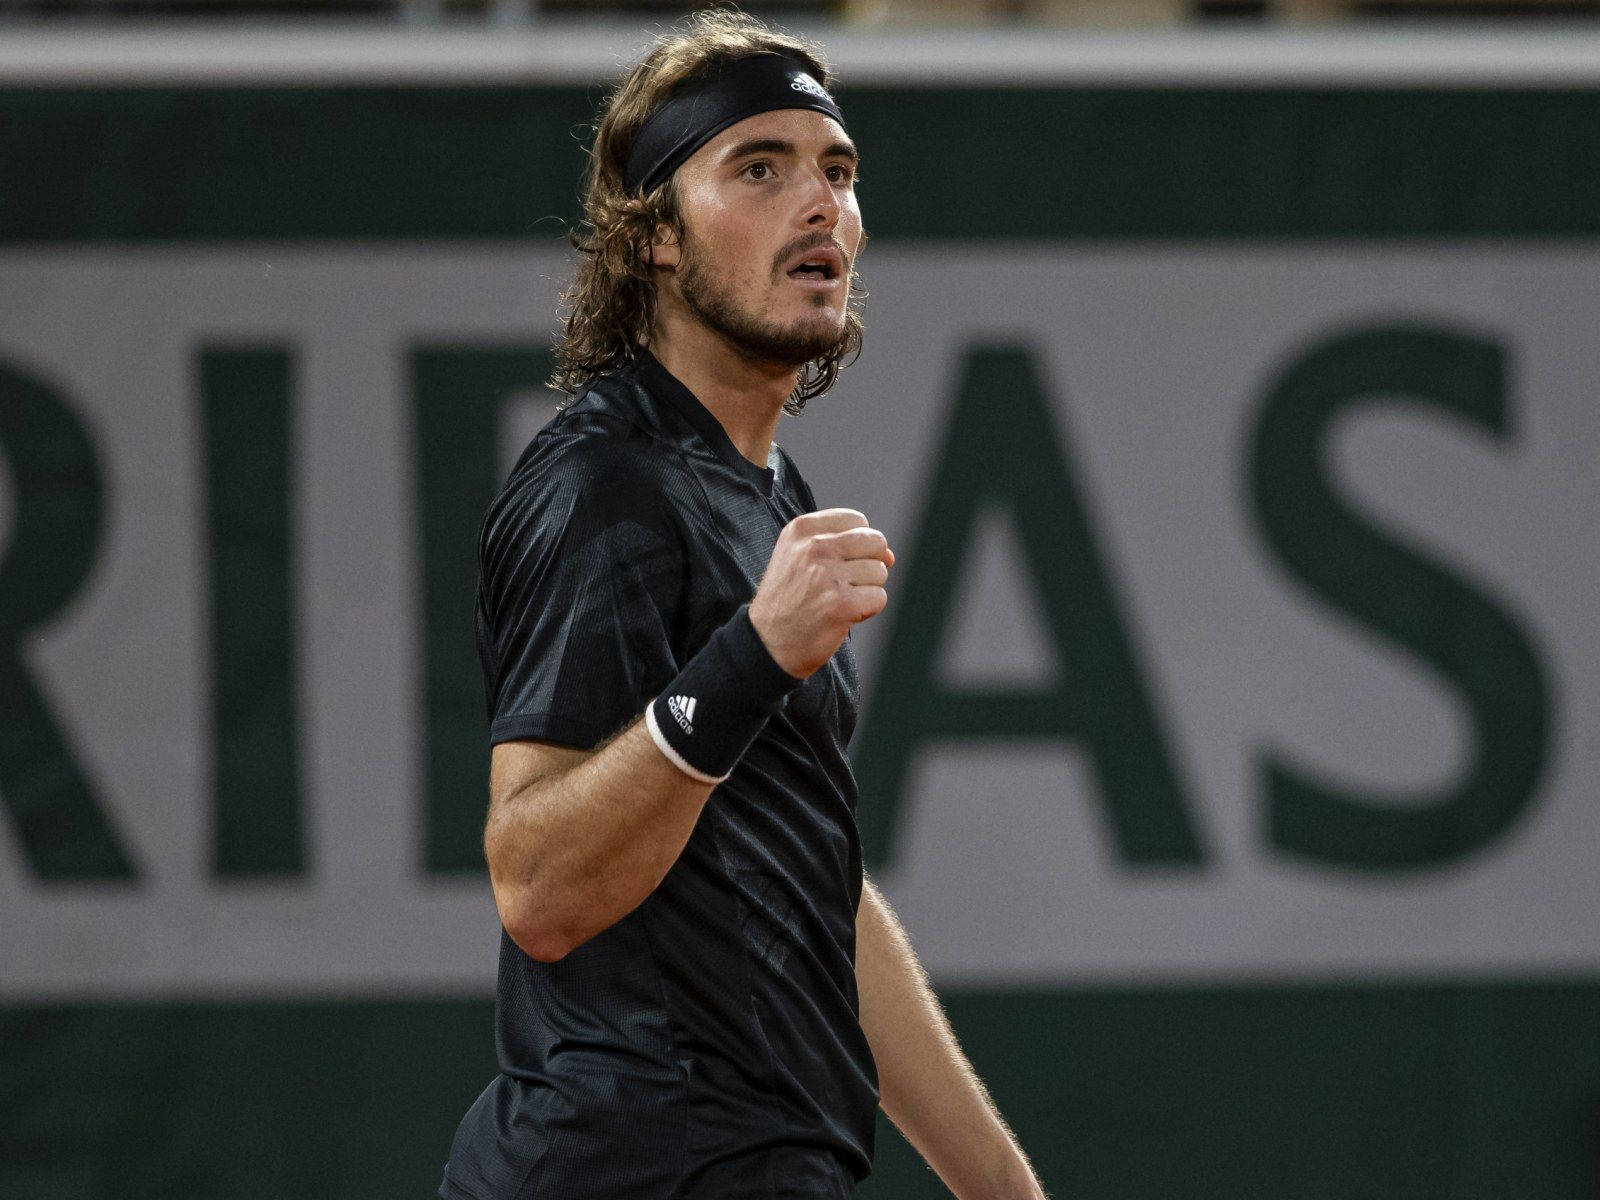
576 839
748 212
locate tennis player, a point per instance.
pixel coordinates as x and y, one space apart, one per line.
700 996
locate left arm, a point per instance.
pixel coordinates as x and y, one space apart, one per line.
928 1088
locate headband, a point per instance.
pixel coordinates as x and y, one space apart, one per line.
681 125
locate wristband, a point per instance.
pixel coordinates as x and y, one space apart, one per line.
712 711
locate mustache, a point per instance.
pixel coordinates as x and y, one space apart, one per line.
811 241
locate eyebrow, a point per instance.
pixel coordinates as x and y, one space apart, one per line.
784 146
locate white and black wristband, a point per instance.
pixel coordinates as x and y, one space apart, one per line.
709 714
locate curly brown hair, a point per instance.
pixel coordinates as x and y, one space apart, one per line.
609 308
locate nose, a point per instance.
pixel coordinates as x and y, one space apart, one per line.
822 207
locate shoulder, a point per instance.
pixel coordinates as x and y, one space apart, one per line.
593 466
603 434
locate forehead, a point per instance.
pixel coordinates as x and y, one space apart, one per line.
811 132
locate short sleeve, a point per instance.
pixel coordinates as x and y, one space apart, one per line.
580 574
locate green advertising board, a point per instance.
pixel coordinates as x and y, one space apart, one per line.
1228 740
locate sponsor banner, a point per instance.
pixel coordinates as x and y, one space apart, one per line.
1242 626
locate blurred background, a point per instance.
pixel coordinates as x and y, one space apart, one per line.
1230 742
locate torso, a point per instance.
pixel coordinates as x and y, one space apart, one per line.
718 1023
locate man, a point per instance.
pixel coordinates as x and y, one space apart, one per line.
700 997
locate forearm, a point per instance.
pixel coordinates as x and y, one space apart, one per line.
927 1086
573 852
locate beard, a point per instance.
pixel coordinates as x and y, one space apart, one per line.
788 346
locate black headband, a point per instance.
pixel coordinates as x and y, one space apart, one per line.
690 119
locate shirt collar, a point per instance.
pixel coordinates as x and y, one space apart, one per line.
664 385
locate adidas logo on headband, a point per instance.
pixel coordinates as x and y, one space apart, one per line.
804 83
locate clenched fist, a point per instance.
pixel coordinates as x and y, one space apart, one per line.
826 573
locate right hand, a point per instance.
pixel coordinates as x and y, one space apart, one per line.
826 573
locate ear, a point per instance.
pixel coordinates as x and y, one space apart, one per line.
664 251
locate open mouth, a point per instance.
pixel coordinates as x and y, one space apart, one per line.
819 269
812 271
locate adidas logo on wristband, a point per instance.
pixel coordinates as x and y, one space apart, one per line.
682 710
741 685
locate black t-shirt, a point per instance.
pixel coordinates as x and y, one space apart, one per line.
709 1043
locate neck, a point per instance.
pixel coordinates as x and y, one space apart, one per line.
745 395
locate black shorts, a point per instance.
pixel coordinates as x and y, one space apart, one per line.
508 1149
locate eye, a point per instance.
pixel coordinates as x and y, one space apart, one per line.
759 170
840 173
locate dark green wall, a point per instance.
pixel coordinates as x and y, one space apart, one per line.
161 164
1322 1093
1414 1092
